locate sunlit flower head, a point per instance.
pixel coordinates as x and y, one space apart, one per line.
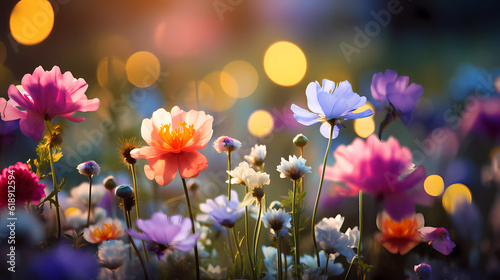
222 212
174 139
257 156
26 185
395 92
315 272
278 221
331 105
399 236
164 234
255 182
239 173
107 229
226 144
45 95
332 240
382 168
89 168
424 271
438 238
113 254
127 145
294 168
213 272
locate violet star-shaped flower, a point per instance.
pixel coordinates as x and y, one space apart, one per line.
331 105
438 238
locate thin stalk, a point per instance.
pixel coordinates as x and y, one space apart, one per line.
237 244
136 194
296 230
112 204
54 182
284 254
90 200
256 234
192 228
229 242
229 176
302 179
128 226
139 256
280 269
313 230
326 265
247 235
360 230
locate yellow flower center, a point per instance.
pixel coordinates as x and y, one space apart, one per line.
402 229
176 138
104 234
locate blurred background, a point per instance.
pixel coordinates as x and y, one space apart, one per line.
245 62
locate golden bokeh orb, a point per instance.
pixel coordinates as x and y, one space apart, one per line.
244 76
31 21
434 185
143 69
285 63
260 123
455 194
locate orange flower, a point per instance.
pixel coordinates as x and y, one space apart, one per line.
174 139
399 236
105 230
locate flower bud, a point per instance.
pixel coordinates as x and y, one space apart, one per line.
275 205
89 168
300 140
109 183
124 191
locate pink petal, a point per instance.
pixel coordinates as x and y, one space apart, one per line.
191 163
163 169
32 125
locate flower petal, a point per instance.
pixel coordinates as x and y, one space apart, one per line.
312 97
325 130
191 163
303 116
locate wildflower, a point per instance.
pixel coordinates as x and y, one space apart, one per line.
438 238
239 173
222 212
127 145
395 92
300 140
294 168
107 229
23 181
79 195
271 260
382 168
124 191
89 168
332 240
45 95
256 183
399 236
315 272
331 105
214 272
77 219
226 144
174 139
113 254
165 234
278 221
257 156
423 271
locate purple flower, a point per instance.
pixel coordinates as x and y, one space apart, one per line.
438 238
222 212
331 105
423 271
482 117
165 234
89 168
391 90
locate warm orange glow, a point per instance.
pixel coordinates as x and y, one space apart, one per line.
243 74
260 123
454 194
31 21
105 234
110 70
285 63
211 93
364 127
434 185
176 138
143 69
402 229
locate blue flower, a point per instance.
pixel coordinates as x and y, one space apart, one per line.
89 168
278 221
271 261
331 105
222 212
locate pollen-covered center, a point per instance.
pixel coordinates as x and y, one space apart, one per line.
401 229
105 234
176 138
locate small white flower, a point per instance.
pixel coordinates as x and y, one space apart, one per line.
315 272
80 194
271 260
257 156
239 173
113 254
294 168
214 272
332 240
256 183
222 212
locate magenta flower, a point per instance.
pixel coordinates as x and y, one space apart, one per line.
438 238
395 92
45 95
382 168
24 184
165 234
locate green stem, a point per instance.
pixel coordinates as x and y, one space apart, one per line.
136 194
237 244
313 230
256 234
359 236
48 125
302 179
247 235
229 177
128 226
90 200
280 269
192 228
296 230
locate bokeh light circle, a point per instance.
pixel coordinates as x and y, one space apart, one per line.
31 21
143 69
434 185
454 194
260 123
110 67
245 76
364 127
210 92
285 63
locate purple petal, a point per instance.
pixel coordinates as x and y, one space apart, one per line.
445 247
303 116
325 130
380 82
188 243
364 114
399 205
137 235
312 97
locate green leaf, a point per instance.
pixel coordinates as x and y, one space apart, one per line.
259 265
69 237
63 183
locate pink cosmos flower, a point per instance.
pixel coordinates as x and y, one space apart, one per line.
438 238
226 144
45 95
382 168
174 139
23 182
399 236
